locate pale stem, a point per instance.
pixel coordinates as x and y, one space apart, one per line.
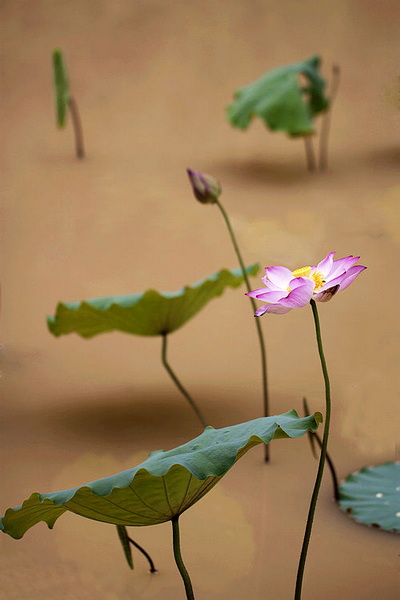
178 558
322 459
326 121
257 322
76 122
178 383
310 154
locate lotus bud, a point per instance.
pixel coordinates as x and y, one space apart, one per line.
205 188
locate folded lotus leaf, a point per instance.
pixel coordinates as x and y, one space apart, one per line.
164 485
61 87
372 496
150 313
281 100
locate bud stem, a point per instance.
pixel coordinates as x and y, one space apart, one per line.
257 321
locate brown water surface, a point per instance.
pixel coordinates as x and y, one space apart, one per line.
152 79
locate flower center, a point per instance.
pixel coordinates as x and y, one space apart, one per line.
317 277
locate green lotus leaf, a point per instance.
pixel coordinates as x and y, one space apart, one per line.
163 486
372 496
61 87
150 313
280 99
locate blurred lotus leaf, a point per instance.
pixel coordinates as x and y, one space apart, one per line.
150 313
287 99
372 496
163 486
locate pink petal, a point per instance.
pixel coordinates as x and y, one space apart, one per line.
275 309
279 276
326 264
342 265
267 296
301 295
272 297
351 275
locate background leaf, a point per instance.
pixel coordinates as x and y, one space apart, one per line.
280 100
150 313
372 496
164 485
61 87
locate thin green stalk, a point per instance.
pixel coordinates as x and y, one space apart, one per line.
77 125
178 383
322 459
257 321
178 558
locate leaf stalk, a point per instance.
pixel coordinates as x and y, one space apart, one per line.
178 558
178 384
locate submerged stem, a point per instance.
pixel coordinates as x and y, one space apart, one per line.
326 121
178 383
178 558
126 541
77 125
257 322
322 459
146 554
310 154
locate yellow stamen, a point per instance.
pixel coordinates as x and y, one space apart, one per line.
303 272
317 277
318 280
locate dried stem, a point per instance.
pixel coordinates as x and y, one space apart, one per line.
326 121
310 154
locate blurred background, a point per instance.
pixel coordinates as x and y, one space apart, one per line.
152 79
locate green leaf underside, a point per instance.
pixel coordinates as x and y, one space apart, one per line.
163 486
280 100
61 87
150 313
372 496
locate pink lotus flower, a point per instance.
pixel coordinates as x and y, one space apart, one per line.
285 289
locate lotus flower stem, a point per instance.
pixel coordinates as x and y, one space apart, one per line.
326 121
146 554
257 322
322 459
178 558
77 125
310 154
178 383
313 435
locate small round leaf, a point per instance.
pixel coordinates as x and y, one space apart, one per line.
372 496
